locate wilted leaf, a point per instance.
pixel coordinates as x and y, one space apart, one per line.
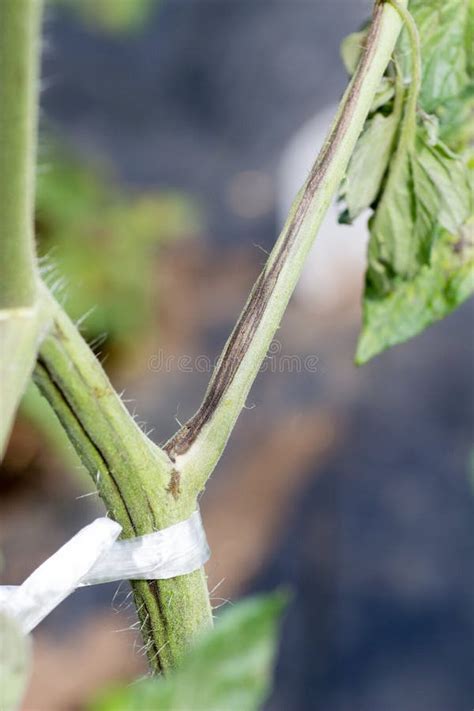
447 173
427 187
411 306
447 50
420 191
457 121
368 165
228 670
411 269
442 25
392 246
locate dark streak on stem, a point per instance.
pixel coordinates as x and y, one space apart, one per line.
52 392
252 315
174 487
42 367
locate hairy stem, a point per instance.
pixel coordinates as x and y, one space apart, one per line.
19 52
22 320
133 478
144 487
197 446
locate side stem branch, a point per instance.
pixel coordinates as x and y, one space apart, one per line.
132 476
197 446
145 487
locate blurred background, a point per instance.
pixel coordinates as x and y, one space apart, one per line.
173 136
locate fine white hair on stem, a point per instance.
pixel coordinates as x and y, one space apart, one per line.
223 601
159 650
82 319
87 495
216 586
262 249
98 340
145 485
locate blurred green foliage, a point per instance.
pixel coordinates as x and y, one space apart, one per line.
113 16
101 242
229 669
104 242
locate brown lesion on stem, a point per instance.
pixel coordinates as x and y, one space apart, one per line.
96 460
254 311
174 486
51 389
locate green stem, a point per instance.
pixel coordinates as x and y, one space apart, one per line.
197 446
22 319
133 477
144 487
19 52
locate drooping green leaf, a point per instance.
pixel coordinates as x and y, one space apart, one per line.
427 187
228 670
411 306
420 191
442 25
368 164
446 29
447 49
411 276
456 127
15 657
392 246
447 173
447 92
456 113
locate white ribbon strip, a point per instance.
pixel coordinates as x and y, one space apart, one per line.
95 556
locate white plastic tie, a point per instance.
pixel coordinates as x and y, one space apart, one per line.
94 555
